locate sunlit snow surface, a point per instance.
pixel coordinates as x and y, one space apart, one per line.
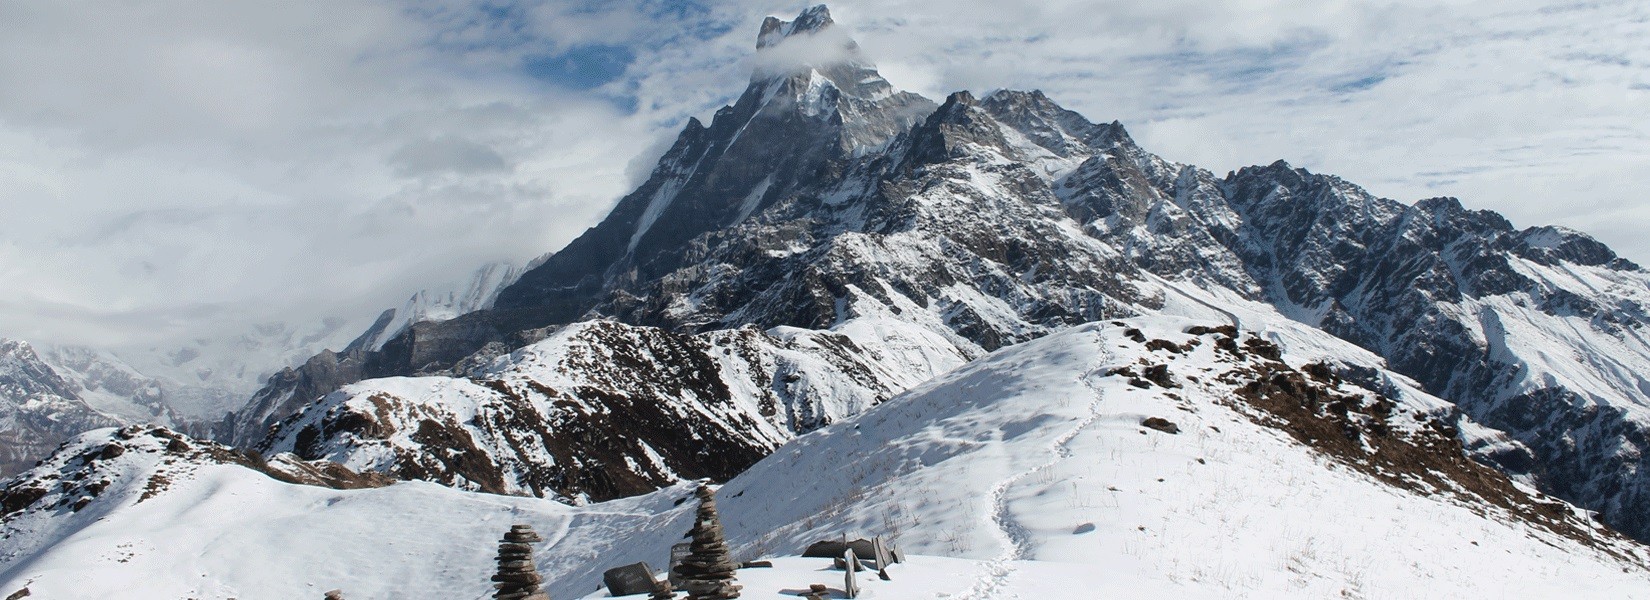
999 462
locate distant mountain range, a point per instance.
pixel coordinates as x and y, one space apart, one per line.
193 386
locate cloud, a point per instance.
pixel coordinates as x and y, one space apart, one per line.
446 154
801 50
187 168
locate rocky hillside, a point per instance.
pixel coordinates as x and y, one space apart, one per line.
602 410
38 408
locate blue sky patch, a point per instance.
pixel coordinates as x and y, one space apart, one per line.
1359 84
580 68
1239 69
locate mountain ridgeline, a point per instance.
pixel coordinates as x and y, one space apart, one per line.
828 241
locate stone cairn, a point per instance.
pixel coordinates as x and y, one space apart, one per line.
517 578
708 571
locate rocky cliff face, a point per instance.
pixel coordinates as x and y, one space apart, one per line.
38 408
823 198
1534 331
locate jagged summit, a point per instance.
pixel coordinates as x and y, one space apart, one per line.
792 134
1052 126
809 54
813 106
22 373
799 59
811 21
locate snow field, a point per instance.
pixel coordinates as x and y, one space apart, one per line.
972 466
1025 474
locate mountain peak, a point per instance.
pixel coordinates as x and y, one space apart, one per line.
792 49
811 21
23 374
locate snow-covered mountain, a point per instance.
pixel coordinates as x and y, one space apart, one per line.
38 408
823 196
439 304
51 393
190 387
1537 332
1152 456
195 382
601 410
108 384
294 385
961 324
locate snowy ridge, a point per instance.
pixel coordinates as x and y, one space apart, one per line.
1039 453
541 420
166 517
1032 472
297 385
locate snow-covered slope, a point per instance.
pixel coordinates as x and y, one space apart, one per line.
1040 471
600 410
145 513
1179 464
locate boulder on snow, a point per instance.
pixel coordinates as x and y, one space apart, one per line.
631 579
1160 424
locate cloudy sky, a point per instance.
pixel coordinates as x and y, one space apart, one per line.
181 169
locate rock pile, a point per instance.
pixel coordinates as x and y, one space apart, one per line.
708 571
517 578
